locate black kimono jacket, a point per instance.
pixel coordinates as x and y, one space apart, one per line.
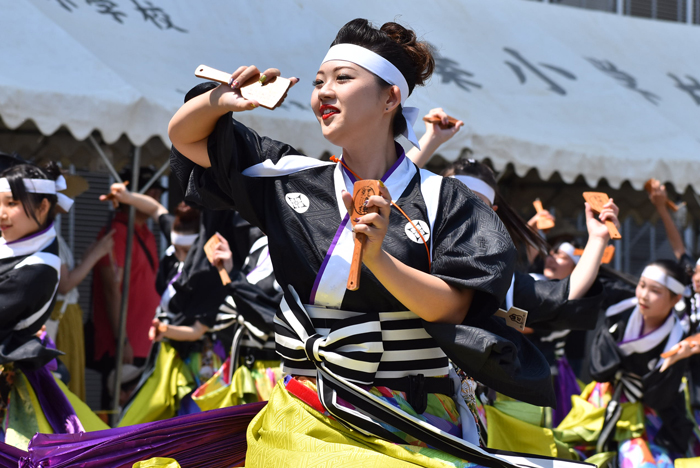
300 212
29 273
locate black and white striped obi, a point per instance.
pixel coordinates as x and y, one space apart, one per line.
254 300
29 274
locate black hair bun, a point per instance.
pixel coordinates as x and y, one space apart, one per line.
421 53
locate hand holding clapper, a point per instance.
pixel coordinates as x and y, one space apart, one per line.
209 249
362 190
269 94
597 200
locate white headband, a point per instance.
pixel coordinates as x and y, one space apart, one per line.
477 185
659 275
569 250
697 263
183 240
46 186
385 70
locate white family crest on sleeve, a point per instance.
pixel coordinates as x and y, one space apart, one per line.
412 234
298 202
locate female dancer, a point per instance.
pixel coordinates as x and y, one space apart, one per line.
29 277
625 363
361 357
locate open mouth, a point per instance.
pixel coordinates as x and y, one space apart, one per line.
328 111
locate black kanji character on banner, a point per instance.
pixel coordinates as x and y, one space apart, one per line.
450 72
108 7
518 70
692 88
156 15
67 4
625 79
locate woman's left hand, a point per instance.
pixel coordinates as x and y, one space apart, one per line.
596 227
373 225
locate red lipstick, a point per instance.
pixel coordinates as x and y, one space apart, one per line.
328 111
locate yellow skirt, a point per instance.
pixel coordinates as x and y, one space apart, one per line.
159 397
71 341
289 433
25 417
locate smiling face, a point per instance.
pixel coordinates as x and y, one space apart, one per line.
558 265
349 101
696 279
14 221
655 300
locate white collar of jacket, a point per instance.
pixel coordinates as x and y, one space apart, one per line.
27 245
634 342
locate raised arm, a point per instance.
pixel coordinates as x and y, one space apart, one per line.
586 270
72 278
435 135
195 120
659 197
143 203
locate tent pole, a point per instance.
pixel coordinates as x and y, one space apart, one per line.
106 160
125 289
689 11
155 176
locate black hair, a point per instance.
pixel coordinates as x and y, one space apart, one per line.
187 219
673 269
15 176
397 44
518 229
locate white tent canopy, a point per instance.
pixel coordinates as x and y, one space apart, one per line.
540 86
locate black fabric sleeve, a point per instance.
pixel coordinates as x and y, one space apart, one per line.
22 293
232 148
662 392
549 307
472 248
165 222
616 291
606 357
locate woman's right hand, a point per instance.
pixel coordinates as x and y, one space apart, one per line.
118 193
230 96
682 350
440 133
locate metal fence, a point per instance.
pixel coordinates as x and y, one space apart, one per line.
683 11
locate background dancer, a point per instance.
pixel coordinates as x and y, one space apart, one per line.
625 364
29 277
